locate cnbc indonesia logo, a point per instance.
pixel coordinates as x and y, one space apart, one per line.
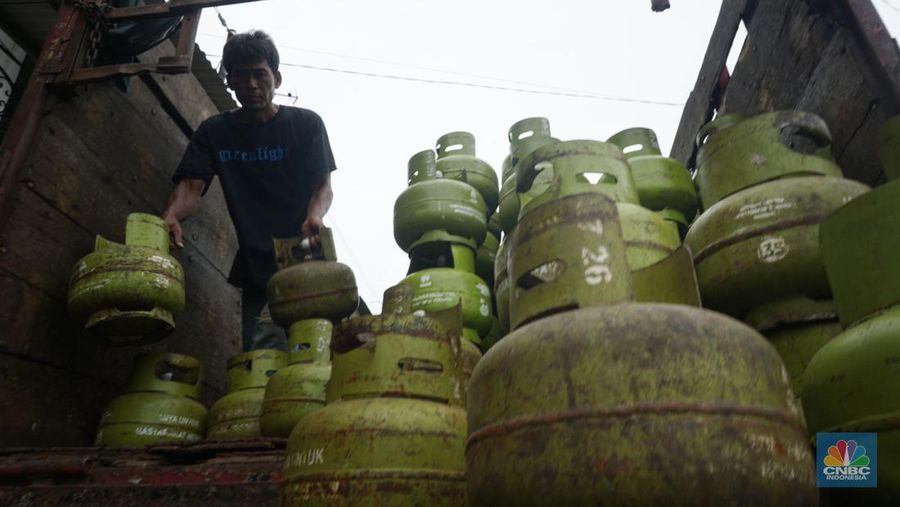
846 463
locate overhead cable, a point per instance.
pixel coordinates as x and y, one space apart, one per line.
609 98
418 67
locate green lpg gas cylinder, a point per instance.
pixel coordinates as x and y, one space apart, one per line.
393 432
236 415
501 283
470 357
494 228
663 184
797 327
299 388
441 288
310 283
436 289
398 352
577 167
494 335
762 244
525 136
456 160
671 280
566 254
851 384
736 153
484 259
636 405
433 208
129 294
558 256
859 245
160 404
889 147
593 167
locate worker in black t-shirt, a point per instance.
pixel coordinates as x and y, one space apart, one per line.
274 163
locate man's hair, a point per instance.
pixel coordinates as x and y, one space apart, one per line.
250 47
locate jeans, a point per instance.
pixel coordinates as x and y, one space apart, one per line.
257 329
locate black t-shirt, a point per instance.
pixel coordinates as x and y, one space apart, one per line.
267 174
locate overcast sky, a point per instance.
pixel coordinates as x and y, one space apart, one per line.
608 54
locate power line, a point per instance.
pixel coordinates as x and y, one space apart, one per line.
419 67
609 98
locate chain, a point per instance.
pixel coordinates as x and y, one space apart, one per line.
96 13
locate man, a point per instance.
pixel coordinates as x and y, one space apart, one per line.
274 163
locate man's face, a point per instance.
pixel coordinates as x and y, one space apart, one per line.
254 84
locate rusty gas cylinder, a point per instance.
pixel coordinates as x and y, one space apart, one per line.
636 405
299 388
559 256
567 254
761 244
670 280
484 259
850 385
494 335
456 160
470 355
434 208
592 167
129 294
736 153
797 327
310 283
393 431
501 283
235 416
159 406
663 184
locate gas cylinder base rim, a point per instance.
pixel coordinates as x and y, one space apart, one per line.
427 239
131 327
375 488
661 408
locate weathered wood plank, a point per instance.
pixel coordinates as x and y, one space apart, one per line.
177 87
698 109
880 48
100 167
33 302
783 48
863 106
54 406
48 406
808 56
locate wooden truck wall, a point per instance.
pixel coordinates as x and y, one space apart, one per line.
99 155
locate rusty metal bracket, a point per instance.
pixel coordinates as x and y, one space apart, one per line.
178 63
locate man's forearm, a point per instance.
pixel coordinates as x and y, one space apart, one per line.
184 199
321 199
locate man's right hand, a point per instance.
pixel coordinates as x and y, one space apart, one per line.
175 232
181 204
